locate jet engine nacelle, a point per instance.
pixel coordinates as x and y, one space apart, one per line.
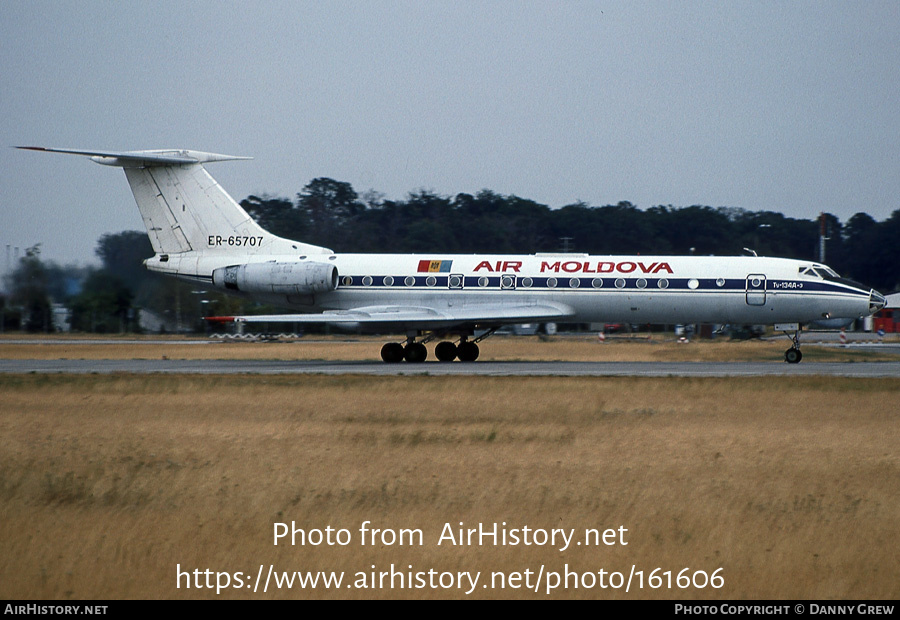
298 278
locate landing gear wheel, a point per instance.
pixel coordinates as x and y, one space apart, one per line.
793 356
445 351
392 352
467 351
415 352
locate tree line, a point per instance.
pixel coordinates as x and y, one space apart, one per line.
330 213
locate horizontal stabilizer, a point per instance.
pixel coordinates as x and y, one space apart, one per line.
163 157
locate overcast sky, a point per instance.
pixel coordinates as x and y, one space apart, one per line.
785 106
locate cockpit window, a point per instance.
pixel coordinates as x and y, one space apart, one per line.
820 271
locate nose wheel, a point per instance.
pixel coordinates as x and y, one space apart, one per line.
793 355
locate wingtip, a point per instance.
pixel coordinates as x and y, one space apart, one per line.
220 319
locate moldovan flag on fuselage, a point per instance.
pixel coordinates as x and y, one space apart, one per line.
434 266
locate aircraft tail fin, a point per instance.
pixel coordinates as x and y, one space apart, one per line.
185 209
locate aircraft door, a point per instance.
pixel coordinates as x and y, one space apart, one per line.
756 290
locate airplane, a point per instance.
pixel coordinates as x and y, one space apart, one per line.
200 234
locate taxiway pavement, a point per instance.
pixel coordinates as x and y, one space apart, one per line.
483 368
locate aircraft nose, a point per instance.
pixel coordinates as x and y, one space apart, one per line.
876 301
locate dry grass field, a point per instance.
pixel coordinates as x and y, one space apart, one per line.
107 483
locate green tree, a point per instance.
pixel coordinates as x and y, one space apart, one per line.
28 291
123 255
329 206
104 305
279 216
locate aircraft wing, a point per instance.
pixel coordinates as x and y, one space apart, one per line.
403 317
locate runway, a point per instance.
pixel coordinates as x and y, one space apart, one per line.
492 369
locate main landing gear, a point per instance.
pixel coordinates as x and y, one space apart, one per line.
793 355
414 352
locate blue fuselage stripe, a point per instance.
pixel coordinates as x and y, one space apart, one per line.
589 284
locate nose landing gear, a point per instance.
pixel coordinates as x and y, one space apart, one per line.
793 355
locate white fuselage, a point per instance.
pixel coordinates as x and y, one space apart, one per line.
631 289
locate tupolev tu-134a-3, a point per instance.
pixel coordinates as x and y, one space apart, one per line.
199 233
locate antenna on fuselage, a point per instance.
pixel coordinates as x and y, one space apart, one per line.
749 251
